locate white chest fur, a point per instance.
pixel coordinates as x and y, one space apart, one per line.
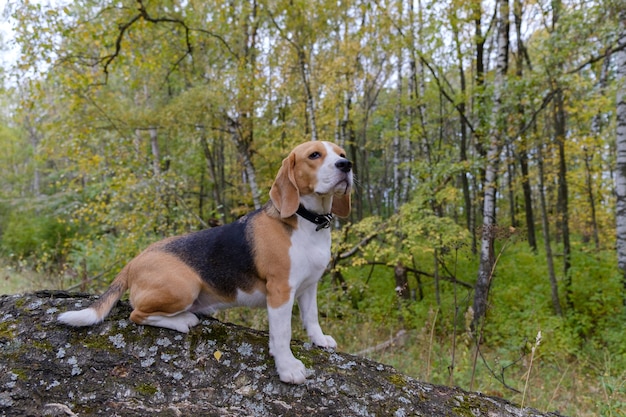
309 254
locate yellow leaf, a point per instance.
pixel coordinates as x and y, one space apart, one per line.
217 355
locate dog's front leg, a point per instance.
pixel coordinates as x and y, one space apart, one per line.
290 369
307 301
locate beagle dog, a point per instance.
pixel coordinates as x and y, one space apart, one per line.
270 257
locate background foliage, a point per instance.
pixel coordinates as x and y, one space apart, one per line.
124 122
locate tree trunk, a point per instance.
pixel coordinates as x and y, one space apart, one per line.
346 127
620 169
528 200
156 152
522 147
250 172
510 170
242 126
479 79
480 117
436 276
402 282
214 170
463 158
117 368
305 73
556 302
487 259
347 135
592 203
563 195
34 138
597 130
398 179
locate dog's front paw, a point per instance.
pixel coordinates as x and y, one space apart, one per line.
325 341
291 371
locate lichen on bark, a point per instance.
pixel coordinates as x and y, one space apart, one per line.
218 369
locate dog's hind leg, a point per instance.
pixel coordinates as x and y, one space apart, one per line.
162 290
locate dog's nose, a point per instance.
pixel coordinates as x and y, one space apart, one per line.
344 165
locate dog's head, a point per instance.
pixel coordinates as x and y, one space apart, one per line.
313 168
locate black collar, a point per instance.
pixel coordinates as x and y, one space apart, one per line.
321 220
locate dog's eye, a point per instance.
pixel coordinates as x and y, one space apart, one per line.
343 155
315 155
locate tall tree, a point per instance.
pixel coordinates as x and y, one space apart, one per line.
397 142
559 124
496 136
620 169
545 224
456 20
522 150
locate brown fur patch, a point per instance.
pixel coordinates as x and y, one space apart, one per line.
161 284
284 192
305 169
341 205
271 241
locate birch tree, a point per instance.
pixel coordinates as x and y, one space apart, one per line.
487 260
620 172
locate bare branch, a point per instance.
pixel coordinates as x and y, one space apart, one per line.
107 60
118 46
399 339
358 246
427 274
610 50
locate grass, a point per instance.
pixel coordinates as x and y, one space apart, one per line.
15 280
557 382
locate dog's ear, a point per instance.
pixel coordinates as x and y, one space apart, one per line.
284 192
341 205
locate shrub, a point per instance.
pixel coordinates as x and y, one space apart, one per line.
42 238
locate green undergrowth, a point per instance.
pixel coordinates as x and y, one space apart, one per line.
579 367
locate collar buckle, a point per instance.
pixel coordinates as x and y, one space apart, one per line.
321 220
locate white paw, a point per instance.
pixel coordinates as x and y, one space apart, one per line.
181 322
326 342
189 321
291 371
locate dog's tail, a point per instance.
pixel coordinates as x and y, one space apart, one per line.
102 307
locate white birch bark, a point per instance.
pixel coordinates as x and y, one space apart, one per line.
620 172
485 272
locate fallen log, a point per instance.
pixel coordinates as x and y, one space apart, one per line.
117 368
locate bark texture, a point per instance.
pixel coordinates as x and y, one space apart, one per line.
497 132
117 368
620 171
